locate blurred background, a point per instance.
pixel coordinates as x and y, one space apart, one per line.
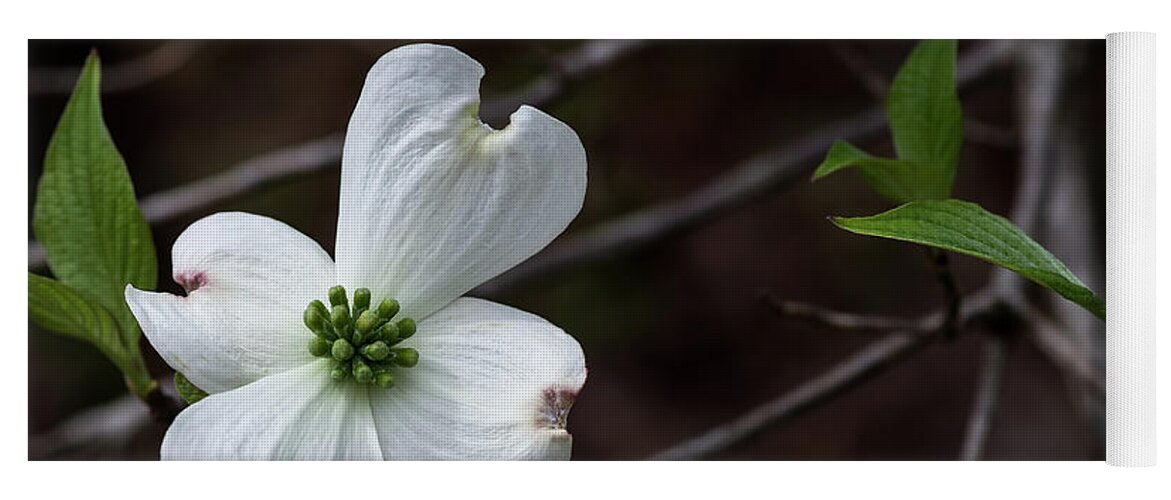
678 331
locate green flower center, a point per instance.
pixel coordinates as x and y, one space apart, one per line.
361 342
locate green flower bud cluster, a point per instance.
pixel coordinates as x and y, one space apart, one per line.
360 341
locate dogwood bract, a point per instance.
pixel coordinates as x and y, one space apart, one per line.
433 203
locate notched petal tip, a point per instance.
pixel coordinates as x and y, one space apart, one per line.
190 280
555 405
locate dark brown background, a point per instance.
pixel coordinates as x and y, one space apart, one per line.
676 337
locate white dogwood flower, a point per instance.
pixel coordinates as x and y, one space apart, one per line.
433 203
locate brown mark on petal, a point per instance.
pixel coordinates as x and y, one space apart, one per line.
555 405
191 280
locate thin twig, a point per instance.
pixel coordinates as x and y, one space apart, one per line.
1065 221
301 159
871 79
1042 72
277 166
975 130
1040 77
841 320
164 60
1043 68
107 428
1063 350
563 73
1073 217
863 365
987 399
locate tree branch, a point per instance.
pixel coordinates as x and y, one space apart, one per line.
871 79
840 320
164 60
863 365
987 399
1063 350
1043 75
564 72
1073 217
106 428
875 83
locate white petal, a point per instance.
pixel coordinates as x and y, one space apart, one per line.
492 383
249 279
433 202
300 414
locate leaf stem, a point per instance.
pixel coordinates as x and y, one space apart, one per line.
951 290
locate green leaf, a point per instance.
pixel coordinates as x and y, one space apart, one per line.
57 307
925 115
86 216
966 228
927 124
896 180
187 390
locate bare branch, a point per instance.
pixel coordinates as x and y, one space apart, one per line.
107 428
863 365
1043 75
311 156
987 399
269 168
975 130
1072 219
1041 70
1040 74
280 165
164 60
840 320
1063 350
871 79
564 72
